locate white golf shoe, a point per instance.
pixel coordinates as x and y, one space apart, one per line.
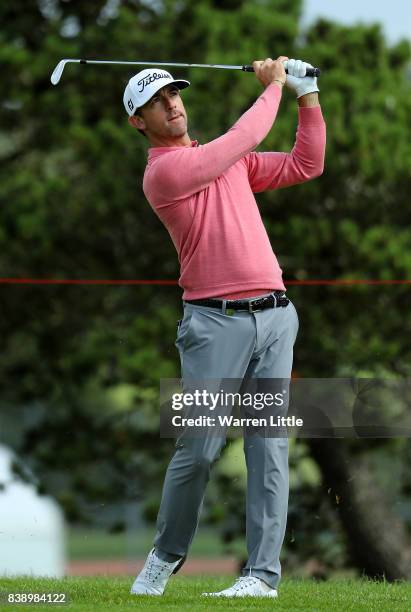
154 576
246 586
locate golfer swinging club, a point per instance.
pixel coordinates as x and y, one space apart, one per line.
237 320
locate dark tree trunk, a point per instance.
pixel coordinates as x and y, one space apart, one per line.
378 541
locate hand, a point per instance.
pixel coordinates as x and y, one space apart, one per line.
270 71
297 80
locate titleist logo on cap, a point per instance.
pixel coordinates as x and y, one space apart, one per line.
142 83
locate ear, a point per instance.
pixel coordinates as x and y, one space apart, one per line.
137 122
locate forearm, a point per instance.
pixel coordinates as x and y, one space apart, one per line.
306 160
248 131
273 170
310 99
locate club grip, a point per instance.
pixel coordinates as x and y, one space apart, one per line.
310 72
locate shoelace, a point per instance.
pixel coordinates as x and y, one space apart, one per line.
156 568
243 582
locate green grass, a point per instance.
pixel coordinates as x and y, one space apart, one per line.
88 594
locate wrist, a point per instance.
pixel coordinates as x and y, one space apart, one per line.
309 99
278 82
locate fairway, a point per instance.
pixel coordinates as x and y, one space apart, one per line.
184 594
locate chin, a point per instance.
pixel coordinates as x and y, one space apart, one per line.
178 131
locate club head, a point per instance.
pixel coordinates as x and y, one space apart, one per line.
58 71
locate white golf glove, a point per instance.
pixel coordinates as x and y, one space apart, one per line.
296 78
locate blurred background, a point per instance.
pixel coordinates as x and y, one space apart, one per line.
81 457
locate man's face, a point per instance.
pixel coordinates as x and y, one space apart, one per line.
164 115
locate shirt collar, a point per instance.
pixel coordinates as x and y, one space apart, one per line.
154 152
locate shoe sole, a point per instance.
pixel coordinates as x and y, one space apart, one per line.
239 596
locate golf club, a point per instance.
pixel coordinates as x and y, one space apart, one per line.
58 70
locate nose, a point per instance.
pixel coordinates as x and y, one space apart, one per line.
169 101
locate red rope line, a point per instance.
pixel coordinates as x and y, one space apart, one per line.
70 281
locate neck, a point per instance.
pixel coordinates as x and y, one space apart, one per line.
179 141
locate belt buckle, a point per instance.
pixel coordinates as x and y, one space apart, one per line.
260 301
251 303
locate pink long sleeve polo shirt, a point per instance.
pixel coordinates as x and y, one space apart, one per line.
204 195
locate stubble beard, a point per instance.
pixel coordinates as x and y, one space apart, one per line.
180 129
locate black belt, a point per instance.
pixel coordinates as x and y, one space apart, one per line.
274 300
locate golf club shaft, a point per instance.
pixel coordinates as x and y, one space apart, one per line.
57 72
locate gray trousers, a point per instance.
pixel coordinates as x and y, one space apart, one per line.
214 344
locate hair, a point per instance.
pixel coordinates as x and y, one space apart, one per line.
138 114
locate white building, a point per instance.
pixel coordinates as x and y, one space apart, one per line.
32 533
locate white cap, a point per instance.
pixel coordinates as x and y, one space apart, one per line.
142 86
